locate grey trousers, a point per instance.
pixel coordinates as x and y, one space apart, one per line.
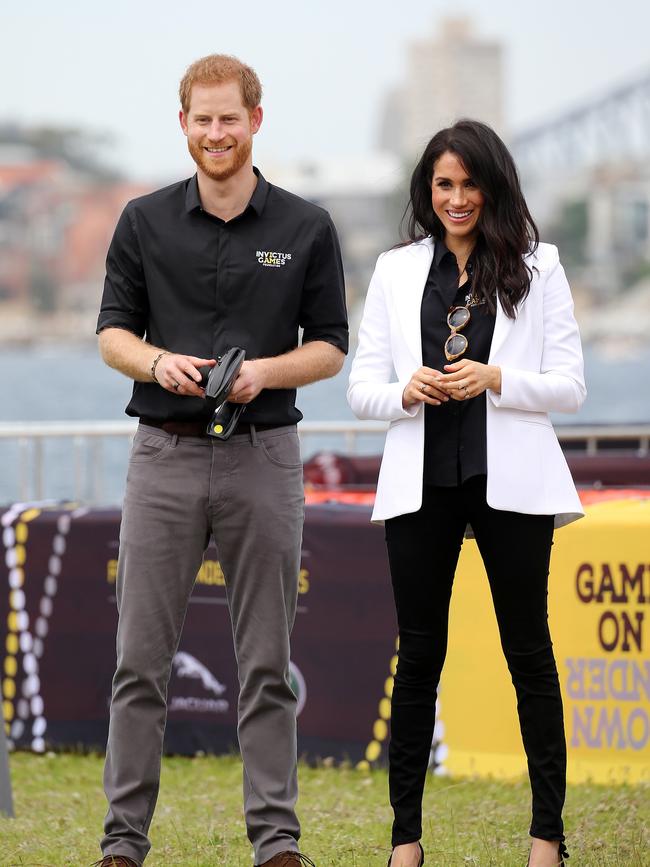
248 492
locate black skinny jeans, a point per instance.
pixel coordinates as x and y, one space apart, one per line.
423 550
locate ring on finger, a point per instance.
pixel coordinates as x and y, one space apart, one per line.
466 392
423 387
176 386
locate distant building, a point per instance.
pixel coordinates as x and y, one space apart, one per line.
454 75
600 220
56 223
31 224
93 214
359 193
618 226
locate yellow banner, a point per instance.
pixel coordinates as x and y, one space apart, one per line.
599 614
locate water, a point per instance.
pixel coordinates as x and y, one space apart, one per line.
61 383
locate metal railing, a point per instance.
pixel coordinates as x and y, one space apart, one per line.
87 440
594 439
86 452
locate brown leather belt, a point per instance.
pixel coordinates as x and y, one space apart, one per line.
198 428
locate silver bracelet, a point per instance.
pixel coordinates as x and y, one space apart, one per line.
155 362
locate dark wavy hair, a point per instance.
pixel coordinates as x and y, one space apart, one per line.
506 231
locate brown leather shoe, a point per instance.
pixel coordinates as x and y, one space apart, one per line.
288 859
115 861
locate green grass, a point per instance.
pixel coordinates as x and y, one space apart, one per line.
345 816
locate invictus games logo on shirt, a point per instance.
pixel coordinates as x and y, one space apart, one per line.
271 259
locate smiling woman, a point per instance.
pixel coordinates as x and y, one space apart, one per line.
466 190
457 201
470 447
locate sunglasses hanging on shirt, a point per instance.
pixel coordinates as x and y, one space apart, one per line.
457 318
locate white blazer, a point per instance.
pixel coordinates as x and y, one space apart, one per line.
540 357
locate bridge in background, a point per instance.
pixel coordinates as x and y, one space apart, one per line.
610 127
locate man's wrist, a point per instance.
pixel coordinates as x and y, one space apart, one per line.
154 364
264 367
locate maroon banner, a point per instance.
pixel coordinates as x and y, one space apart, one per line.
58 617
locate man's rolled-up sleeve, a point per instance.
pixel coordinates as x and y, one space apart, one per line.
323 314
124 302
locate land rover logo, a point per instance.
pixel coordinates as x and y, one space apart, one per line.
297 682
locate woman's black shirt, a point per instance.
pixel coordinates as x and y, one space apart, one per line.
454 432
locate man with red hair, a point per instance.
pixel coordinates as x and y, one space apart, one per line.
224 258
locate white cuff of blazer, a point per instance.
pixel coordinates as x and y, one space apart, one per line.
525 390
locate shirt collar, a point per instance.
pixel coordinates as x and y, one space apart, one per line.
192 199
440 251
260 193
257 200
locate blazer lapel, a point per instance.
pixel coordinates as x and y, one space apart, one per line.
408 289
502 325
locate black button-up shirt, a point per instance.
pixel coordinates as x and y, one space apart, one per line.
454 433
191 283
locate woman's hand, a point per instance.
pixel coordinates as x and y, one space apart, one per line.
465 379
424 387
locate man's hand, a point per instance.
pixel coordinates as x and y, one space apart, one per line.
180 375
252 378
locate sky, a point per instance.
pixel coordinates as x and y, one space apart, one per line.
325 66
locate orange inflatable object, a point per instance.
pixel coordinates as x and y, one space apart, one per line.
354 497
